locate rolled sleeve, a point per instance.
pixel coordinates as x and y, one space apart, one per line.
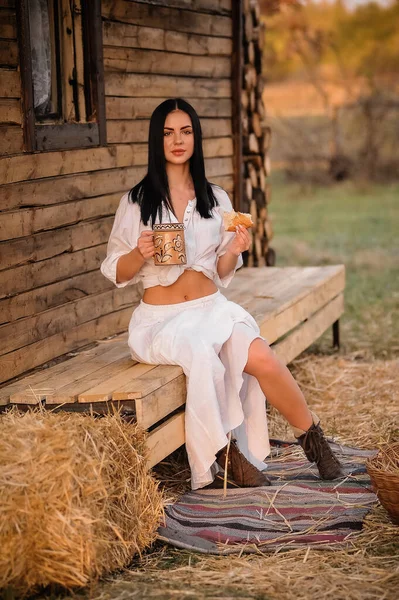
123 238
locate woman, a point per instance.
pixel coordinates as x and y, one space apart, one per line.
184 319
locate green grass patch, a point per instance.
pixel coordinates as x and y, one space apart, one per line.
353 224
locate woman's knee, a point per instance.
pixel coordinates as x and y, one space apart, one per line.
261 359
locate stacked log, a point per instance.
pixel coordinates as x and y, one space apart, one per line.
256 139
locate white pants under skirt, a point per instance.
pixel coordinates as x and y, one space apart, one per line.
209 338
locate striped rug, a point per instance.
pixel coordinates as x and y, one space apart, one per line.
299 509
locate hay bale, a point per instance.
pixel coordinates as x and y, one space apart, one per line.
77 501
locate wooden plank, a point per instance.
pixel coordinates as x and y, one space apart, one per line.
46 385
165 86
166 18
50 164
103 391
134 131
308 332
24 222
52 243
147 383
37 274
60 292
161 402
53 190
28 357
305 305
68 60
8 53
166 438
11 139
34 166
211 6
153 38
70 392
62 318
226 182
40 378
10 111
142 108
10 84
215 167
8 25
135 60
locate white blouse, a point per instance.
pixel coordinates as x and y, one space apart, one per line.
205 239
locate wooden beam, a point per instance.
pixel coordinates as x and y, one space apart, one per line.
166 438
237 61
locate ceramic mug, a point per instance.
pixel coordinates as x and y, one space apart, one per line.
169 244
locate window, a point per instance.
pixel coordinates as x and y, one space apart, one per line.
62 73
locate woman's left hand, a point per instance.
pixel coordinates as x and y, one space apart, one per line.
240 242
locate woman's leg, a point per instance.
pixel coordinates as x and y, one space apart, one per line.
282 391
278 385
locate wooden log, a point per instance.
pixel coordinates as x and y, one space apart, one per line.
253 143
164 86
61 319
28 357
252 100
142 108
35 301
28 221
256 126
266 139
248 26
253 175
8 54
51 243
250 77
53 190
10 84
259 197
133 60
254 213
8 26
166 18
251 53
34 275
10 111
49 164
248 187
136 131
154 38
244 100
11 140
262 178
267 165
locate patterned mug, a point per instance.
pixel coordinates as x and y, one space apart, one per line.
169 244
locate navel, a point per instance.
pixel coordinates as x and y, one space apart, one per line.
186 297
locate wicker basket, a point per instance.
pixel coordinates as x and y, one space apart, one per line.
384 474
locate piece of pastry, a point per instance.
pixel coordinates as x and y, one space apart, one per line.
233 218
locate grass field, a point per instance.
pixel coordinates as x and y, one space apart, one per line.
356 225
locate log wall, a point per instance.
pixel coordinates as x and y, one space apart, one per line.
57 207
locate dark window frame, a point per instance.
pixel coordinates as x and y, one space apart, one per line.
65 136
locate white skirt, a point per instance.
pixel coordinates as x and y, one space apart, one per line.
209 338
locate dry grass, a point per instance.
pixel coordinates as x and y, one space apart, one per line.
76 499
357 400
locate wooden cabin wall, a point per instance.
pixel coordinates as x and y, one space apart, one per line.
57 208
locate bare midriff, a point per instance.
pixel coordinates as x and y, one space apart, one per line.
190 286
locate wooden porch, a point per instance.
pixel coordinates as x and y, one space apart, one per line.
293 306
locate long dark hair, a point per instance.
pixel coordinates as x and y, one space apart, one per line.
153 189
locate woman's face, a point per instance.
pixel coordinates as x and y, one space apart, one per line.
178 137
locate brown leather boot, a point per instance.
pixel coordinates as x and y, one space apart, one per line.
239 469
318 450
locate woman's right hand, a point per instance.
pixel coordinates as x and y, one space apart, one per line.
145 244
